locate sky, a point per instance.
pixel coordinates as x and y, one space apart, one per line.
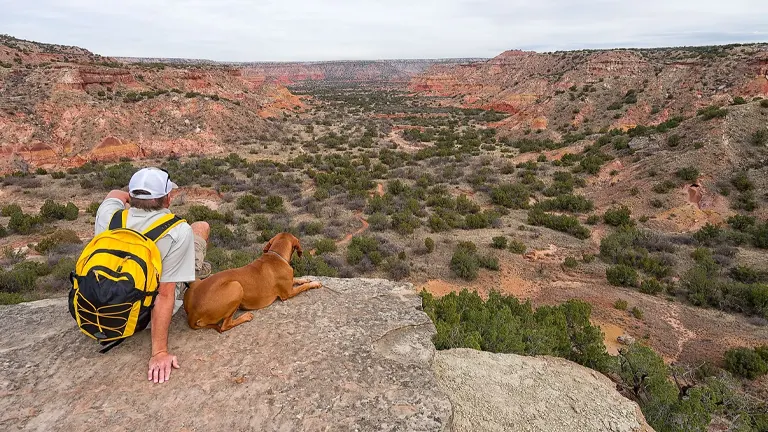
305 30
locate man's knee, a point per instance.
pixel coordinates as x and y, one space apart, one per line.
201 229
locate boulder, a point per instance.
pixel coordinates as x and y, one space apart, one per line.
507 392
355 355
626 339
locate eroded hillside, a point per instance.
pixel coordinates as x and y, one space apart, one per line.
561 92
61 107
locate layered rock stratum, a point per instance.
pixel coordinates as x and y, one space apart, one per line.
563 90
63 106
354 355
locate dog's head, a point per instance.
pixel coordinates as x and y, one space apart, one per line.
287 239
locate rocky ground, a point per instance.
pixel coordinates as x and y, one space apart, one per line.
353 355
559 395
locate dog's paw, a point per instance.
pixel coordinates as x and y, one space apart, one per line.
248 316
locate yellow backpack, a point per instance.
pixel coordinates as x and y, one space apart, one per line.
116 280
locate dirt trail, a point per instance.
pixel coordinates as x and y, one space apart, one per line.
379 190
402 143
349 236
682 333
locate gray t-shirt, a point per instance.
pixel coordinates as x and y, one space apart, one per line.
177 247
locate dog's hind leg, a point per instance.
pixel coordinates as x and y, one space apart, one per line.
229 322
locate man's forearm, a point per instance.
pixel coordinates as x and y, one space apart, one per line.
161 321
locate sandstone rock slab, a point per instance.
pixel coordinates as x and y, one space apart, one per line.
354 355
506 392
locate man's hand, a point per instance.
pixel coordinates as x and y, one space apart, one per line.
160 367
121 195
161 362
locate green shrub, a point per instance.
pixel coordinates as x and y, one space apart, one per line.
274 204
93 208
21 223
504 325
564 223
741 222
311 228
664 187
570 262
429 244
222 259
197 213
324 245
712 112
620 305
465 206
708 234
57 240
465 264
249 203
22 277
741 182
637 313
11 298
651 286
379 222
764 103
621 275
513 196
593 219
499 242
745 362
315 266
489 262
10 210
759 138
477 221
673 140
738 100
517 247
569 203
747 275
688 173
361 247
397 269
618 216
745 201
222 236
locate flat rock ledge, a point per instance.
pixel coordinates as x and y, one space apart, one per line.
507 392
352 356
355 355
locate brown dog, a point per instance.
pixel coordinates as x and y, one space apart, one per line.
213 302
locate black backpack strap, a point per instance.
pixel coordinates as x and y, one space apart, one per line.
109 345
117 220
162 229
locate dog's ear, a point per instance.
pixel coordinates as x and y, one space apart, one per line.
297 248
267 246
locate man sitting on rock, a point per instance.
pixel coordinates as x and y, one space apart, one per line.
182 250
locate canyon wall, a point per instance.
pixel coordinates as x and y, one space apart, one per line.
564 91
73 108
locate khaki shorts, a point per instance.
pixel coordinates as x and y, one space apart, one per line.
202 271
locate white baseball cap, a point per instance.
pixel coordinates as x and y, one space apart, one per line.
156 181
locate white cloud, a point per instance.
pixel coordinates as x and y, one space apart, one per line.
245 30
